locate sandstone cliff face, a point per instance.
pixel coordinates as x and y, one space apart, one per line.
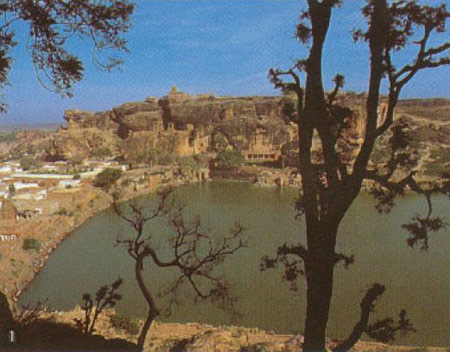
185 125
80 143
77 119
177 123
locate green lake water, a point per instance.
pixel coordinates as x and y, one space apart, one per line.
415 280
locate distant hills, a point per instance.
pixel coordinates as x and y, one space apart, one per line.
14 127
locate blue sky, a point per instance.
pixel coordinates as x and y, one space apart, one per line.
224 47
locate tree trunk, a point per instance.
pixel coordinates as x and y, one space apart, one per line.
143 334
319 277
319 269
152 310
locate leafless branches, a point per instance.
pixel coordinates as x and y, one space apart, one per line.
194 253
25 315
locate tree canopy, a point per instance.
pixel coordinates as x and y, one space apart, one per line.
51 25
331 183
107 178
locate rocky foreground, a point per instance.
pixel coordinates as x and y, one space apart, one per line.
56 331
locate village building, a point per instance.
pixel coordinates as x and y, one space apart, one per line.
35 195
7 237
24 185
6 169
49 167
69 183
261 148
26 210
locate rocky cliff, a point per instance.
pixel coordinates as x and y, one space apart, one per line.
178 123
185 125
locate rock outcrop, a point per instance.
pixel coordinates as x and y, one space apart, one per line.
71 143
177 123
259 127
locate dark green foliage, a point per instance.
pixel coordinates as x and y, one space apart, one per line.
228 159
102 152
155 156
63 212
51 24
219 142
188 164
31 244
106 296
12 189
28 162
107 178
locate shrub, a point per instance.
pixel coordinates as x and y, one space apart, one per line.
106 296
31 243
188 164
61 211
107 178
76 176
155 156
229 159
130 325
28 162
126 182
102 152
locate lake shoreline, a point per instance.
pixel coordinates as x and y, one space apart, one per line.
63 226
141 192
104 201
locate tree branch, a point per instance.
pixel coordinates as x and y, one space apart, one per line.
367 305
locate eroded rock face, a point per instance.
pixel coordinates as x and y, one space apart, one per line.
80 143
77 119
178 123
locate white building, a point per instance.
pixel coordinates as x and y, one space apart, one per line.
68 183
50 167
6 169
22 185
8 237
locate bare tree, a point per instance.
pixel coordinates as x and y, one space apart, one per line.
194 253
332 183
